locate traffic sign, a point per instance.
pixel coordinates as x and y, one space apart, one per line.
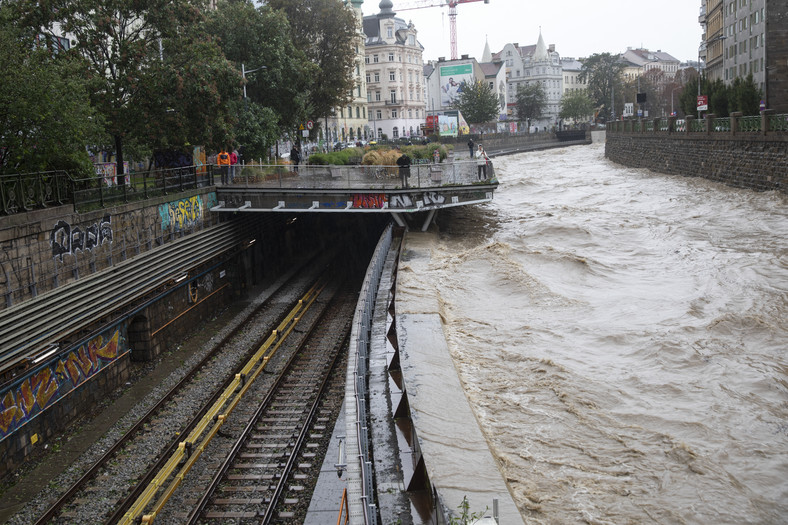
763 105
310 124
703 103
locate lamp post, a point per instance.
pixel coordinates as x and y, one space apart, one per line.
245 71
671 98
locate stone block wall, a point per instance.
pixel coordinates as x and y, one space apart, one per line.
47 248
758 162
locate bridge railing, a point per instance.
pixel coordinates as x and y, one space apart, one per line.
20 192
458 173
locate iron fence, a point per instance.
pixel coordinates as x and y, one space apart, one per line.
22 192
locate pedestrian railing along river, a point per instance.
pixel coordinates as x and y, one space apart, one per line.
765 123
373 177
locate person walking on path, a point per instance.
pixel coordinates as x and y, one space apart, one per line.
223 160
295 157
404 169
470 146
481 163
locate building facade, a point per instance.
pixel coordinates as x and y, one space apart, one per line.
530 64
350 123
394 75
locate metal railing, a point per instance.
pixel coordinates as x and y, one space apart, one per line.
765 123
369 177
22 192
360 461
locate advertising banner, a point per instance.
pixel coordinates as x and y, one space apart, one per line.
453 80
448 126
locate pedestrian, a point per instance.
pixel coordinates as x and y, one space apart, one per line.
223 160
404 169
481 162
470 146
295 157
233 162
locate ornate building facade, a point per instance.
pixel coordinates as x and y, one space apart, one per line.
394 77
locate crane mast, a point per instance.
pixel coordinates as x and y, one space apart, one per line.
452 4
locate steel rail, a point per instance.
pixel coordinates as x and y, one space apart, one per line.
184 457
132 432
118 286
208 494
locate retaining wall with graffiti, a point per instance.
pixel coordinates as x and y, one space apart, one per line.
45 249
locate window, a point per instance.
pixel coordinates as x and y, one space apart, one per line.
410 113
377 96
358 112
366 60
368 78
390 32
379 114
412 40
392 75
377 76
393 95
369 96
394 113
375 59
395 132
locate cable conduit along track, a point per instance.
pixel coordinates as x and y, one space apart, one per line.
116 286
190 449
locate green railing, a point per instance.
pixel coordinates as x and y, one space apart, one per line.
697 126
722 124
778 122
733 124
749 124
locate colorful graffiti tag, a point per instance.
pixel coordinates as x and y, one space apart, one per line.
67 239
369 200
31 395
185 213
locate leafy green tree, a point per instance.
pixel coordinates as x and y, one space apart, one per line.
46 118
153 73
602 74
477 103
530 101
576 106
326 32
259 40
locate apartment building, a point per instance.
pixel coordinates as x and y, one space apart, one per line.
396 93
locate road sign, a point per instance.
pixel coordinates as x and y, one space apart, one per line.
310 124
763 105
703 103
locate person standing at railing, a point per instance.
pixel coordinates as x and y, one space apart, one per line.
404 168
470 146
233 162
295 157
223 160
481 163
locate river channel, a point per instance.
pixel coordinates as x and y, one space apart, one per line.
622 337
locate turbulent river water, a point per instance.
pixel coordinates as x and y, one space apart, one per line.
622 337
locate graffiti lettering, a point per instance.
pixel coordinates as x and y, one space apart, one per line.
365 200
66 239
401 201
432 198
183 213
31 395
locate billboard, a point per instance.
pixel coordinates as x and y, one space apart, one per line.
447 125
453 80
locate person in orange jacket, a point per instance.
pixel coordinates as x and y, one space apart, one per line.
223 160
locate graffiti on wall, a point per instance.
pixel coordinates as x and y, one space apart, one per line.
369 200
430 198
31 395
66 239
185 213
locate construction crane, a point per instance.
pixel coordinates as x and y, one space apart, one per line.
452 4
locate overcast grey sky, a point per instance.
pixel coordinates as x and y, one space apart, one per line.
577 27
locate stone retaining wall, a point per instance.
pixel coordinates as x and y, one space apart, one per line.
754 161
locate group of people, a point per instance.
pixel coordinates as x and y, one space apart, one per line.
227 162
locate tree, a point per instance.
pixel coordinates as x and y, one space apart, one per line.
576 106
530 102
477 103
46 118
326 32
746 97
151 69
602 75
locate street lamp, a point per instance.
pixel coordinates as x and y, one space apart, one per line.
244 71
671 98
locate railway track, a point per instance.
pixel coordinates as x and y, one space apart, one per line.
120 474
